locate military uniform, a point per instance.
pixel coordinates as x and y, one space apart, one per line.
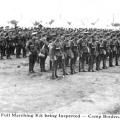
2 48
43 54
50 49
104 53
85 51
12 45
69 56
111 55
74 49
117 45
4 45
18 48
8 50
23 47
79 42
98 57
66 48
32 55
1 55
56 57
92 56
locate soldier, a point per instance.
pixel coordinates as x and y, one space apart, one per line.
50 49
92 56
43 54
98 57
111 55
8 53
12 44
23 46
32 55
56 57
85 52
118 47
67 52
18 47
66 48
4 45
117 52
74 49
79 42
1 49
104 53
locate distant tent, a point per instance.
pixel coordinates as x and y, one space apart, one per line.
14 22
51 22
94 23
69 23
115 24
36 23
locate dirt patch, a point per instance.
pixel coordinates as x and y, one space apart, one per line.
83 92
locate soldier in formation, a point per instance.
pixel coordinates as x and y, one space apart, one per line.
95 49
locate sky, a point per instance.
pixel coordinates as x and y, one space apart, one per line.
81 13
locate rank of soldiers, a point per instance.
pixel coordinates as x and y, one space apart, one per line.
92 48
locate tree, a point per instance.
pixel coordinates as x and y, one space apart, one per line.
94 23
69 23
36 23
14 23
115 24
51 22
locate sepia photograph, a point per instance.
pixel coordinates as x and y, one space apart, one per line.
60 58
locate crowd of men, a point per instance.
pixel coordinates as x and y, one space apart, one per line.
91 47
